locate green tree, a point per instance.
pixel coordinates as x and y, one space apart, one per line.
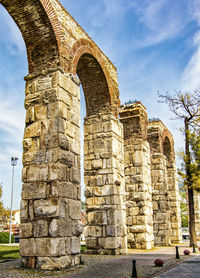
186 106
184 208
4 213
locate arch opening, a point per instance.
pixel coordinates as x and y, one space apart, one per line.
94 84
167 148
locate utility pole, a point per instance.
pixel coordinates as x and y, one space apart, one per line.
13 163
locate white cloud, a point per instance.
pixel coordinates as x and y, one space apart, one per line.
191 74
190 77
162 19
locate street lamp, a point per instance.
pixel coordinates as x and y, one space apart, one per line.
13 163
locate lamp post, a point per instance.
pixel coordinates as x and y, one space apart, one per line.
13 163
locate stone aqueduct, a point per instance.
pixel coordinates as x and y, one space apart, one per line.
131 199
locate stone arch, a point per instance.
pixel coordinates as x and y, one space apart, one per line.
58 49
172 186
99 151
37 23
84 50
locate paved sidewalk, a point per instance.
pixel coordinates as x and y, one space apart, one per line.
96 266
189 269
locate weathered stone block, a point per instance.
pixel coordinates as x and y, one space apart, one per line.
33 130
67 189
50 246
91 231
37 173
40 228
108 243
28 247
47 208
60 227
75 245
35 190
53 263
91 243
24 210
75 209
26 230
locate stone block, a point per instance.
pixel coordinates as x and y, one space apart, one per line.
138 229
75 209
33 130
66 157
75 245
60 228
63 141
24 210
67 189
47 208
50 247
53 263
96 218
40 228
35 190
77 228
26 230
108 243
27 247
91 242
134 211
76 175
91 231
37 173
97 164
95 201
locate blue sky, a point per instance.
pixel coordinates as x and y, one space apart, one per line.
155 45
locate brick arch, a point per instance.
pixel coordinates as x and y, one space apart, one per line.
40 30
82 49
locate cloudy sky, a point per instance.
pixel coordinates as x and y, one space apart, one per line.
155 45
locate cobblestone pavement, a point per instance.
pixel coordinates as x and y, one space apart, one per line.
189 269
95 266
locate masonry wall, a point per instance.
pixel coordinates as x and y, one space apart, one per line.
104 181
137 177
174 201
166 202
58 49
160 198
51 205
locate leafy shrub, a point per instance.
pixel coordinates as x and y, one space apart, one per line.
4 237
158 262
186 252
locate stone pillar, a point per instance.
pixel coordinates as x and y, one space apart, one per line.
137 177
104 181
160 197
197 215
174 200
51 201
159 178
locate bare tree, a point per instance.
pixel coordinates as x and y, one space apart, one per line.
186 106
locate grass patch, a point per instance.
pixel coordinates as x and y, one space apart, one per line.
9 252
83 247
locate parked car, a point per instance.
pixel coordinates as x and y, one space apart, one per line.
17 238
